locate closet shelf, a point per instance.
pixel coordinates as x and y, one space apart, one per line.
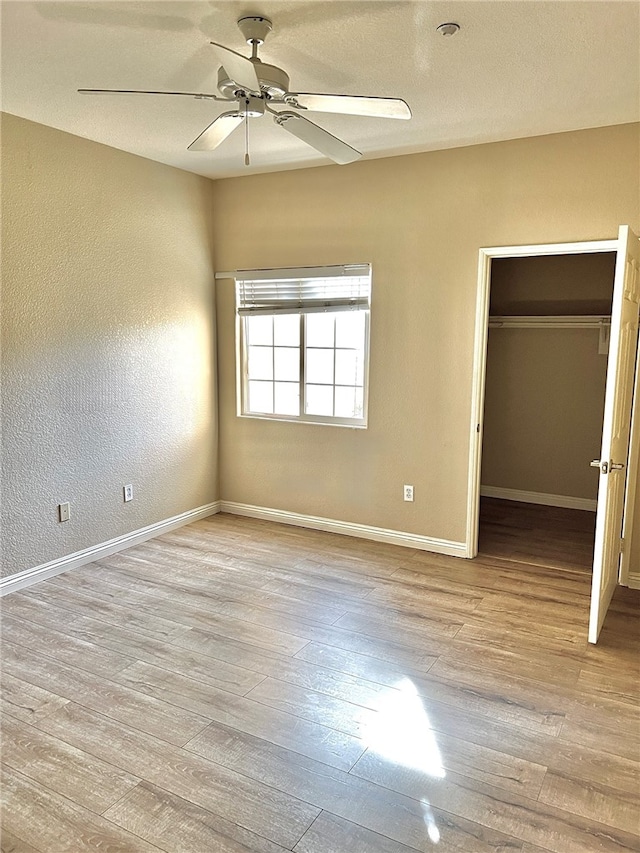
560 321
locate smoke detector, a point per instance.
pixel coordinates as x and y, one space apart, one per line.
449 29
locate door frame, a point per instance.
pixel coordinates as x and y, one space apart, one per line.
485 258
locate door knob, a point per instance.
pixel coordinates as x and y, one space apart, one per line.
605 467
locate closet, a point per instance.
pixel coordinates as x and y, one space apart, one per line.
549 324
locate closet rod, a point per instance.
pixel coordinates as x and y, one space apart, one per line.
561 321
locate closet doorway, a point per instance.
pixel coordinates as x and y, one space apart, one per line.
556 342
549 325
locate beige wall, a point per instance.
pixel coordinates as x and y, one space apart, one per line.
420 221
108 372
543 411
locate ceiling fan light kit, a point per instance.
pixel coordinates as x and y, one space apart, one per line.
256 87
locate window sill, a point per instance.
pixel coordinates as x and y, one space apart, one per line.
334 422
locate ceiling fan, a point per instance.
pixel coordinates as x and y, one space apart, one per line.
255 87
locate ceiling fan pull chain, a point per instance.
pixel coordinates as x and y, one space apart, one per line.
247 161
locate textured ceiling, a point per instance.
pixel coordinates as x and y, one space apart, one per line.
516 68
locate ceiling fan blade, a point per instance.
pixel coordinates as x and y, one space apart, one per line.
238 67
355 105
204 95
217 132
317 137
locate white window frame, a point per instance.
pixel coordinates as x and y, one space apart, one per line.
242 360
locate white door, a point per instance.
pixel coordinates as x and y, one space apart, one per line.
633 471
616 427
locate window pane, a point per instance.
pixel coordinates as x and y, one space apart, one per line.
260 363
261 397
287 400
350 329
349 367
259 330
349 403
287 364
320 366
286 330
319 400
320 329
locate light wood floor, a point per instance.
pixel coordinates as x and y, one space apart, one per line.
543 535
241 686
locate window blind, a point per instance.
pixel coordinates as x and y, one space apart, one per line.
305 290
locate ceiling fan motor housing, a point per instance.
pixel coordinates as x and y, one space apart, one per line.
274 82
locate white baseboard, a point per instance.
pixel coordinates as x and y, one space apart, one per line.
361 531
538 498
96 552
633 581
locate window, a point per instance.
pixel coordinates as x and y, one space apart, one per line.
303 343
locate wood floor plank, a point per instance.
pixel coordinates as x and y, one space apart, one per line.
56 825
255 805
408 627
366 666
332 834
286 729
25 701
596 801
63 647
107 697
527 643
10 843
396 816
277 629
32 607
508 658
128 646
51 762
292 670
193 609
528 704
175 824
491 574
610 685
212 582
347 717
310 574
526 819
77 603
605 738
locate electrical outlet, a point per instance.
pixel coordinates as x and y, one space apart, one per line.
408 493
64 511
127 492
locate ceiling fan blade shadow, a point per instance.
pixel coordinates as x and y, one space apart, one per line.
196 69
113 15
317 137
354 105
305 14
314 66
216 132
238 67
